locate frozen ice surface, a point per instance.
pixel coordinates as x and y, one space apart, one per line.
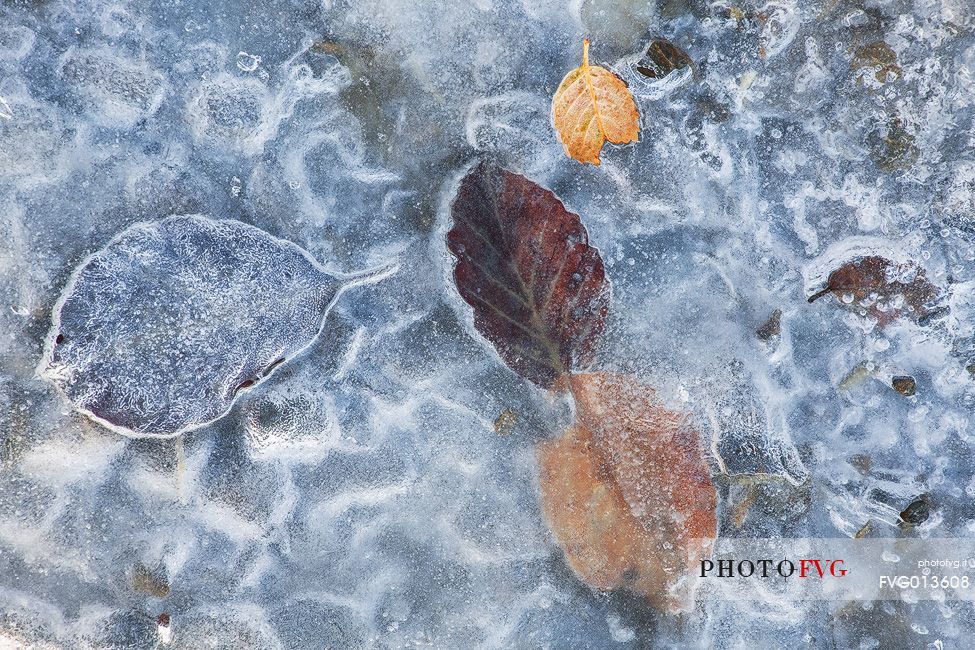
360 496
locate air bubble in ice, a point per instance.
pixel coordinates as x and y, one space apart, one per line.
248 62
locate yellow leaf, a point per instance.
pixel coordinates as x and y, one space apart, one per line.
591 106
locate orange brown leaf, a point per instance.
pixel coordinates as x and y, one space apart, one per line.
627 492
655 453
591 106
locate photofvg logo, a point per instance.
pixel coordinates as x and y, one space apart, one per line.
766 568
776 570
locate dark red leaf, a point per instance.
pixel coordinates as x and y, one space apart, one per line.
886 289
524 263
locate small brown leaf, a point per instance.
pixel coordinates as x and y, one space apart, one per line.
740 512
892 147
713 111
144 580
627 492
524 263
8 451
886 290
855 377
593 105
862 462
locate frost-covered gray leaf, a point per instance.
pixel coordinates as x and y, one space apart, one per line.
158 332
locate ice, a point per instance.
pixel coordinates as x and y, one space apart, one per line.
31 144
360 495
230 111
248 62
114 91
511 124
295 425
15 42
746 439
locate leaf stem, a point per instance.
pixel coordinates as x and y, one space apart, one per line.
585 53
820 293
